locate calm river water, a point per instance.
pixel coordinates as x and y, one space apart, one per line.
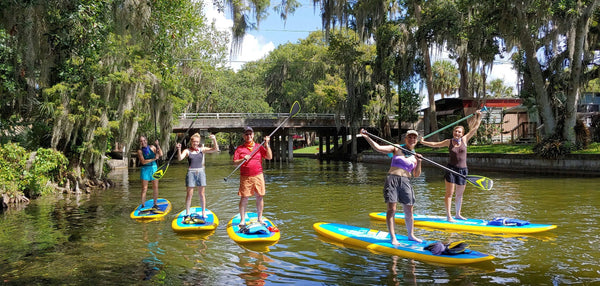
90 239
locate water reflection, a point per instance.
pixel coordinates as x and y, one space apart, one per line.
67 239
152 263
253 266
406 275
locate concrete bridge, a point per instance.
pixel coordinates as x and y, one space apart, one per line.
235 122
330 128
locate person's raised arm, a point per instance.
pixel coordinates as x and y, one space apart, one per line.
215 145
439 144
385 149
159 152
473 129
269 155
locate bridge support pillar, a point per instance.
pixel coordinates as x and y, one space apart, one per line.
320 146
290 147
282 147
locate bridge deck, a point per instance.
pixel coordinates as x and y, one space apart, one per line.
234 122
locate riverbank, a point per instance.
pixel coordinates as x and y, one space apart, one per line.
571 165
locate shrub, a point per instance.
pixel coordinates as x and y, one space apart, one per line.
47 169
552 148
582 135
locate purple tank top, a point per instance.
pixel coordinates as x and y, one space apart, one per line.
403 162
196 160
458 155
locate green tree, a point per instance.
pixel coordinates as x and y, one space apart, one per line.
87 79
354 60
445 78
499 90
329 96
555 57
291 70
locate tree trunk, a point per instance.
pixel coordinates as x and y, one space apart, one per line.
577 40
543 102
430 93
463 89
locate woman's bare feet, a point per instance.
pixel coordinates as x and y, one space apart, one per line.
460 217
450 219
414 238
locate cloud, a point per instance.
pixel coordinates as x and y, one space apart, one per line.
256 47
253 48
505 72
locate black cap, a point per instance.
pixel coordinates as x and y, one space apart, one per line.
248 128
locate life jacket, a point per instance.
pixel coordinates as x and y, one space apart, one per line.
500 221
453 248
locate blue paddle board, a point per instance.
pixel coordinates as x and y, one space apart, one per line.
268 233
196 222
379 241
146 211
474 225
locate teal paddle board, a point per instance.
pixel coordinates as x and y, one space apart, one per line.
473 225
379 242
146 211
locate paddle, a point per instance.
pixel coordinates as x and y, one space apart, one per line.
446 127
160 172
477 181
293 111
452 124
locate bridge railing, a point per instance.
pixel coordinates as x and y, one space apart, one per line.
222 115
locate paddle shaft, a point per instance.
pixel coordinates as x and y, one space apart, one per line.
412 152
452 124
261 144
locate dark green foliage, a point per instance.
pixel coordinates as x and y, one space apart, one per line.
21 176
583 137
595 126
552 148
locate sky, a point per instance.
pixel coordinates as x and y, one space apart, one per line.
274 31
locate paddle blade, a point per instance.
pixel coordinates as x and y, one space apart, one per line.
295 109
480 182
160 172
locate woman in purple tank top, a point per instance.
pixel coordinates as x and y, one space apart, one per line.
457 150
397 188
196 177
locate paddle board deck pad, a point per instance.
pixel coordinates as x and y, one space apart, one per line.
195 221
252 231
146 211
379 241
475 225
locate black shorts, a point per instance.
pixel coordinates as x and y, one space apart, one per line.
397 189
456 179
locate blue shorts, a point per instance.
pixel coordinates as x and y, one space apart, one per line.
147 171
456 179
195 178
398 189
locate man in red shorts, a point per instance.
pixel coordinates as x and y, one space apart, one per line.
252 180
